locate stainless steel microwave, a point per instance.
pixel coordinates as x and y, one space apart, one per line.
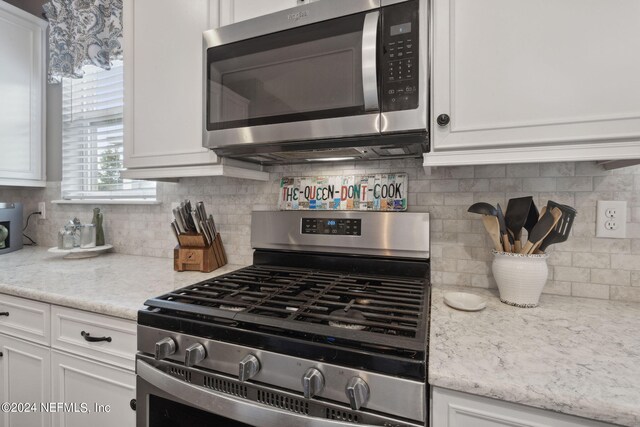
329 80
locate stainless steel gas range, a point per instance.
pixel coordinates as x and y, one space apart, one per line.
328 327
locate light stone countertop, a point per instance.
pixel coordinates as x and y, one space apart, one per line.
573 355
112 284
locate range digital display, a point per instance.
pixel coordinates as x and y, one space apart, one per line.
332 226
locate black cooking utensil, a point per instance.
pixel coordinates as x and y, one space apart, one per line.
532 217
560 232
504 234
483 208
490 222
540 230
516 216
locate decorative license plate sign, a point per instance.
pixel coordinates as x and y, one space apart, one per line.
371 192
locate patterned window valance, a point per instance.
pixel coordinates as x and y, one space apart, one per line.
82 32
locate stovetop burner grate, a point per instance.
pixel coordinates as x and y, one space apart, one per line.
372 309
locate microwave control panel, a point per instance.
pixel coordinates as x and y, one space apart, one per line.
400 37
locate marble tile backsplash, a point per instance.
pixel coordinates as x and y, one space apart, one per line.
583 266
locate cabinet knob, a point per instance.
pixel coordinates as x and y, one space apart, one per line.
249 367
312 383
194 354
133 404
443 119
358 392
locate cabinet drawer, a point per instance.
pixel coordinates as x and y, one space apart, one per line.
25 318
107 339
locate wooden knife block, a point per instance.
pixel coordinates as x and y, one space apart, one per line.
193 254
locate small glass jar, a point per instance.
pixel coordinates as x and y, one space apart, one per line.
87 236
66 239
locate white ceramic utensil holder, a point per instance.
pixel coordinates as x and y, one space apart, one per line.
520 278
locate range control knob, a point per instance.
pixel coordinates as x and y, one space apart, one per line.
249 367
165 348
312 383
194 354
357 392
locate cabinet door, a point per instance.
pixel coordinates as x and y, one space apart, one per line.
25 377
22 79
239 10
80 380
455 409
516 73
163 81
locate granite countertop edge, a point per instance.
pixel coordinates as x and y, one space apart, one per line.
108 309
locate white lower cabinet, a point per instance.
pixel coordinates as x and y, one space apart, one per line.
25 378
106 390
455 409
83 374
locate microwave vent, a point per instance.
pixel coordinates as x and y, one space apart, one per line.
319 154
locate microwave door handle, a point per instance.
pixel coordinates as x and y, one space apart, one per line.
369 61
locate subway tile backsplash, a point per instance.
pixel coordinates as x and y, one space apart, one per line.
583 266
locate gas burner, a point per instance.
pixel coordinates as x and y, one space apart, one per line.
231 303
344 317
308 293
231 307
344 325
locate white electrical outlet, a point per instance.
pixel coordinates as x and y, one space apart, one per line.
42 209
611 219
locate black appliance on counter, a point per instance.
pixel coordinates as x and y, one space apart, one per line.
328 327
10 227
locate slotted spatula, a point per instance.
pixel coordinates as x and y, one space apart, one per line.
560 232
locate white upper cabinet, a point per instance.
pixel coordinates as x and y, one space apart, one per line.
240 10
22 94
535 81
163 91
163 81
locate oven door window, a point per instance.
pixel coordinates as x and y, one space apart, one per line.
167 413
306 73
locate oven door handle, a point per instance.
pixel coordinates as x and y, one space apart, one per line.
226 406
369 61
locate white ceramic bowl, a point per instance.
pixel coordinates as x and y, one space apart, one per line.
520 278
465 301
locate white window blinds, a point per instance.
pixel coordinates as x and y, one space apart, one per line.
92 138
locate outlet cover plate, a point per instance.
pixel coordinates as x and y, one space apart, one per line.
611 219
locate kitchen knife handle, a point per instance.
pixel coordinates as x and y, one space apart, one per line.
176 233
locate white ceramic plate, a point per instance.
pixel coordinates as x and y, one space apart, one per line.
78 253
465 301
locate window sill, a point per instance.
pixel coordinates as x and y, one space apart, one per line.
105 202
